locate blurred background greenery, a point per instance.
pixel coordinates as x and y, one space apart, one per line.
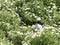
17 17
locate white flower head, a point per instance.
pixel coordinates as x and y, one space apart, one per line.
52 32
54 7
6 1
57 33
19 33
7 24
39 12
50 11
44 7
27 9
51 3
38 6
59 22
25 43
34 35
49 7
54 4
0 5
59 12
11 3
30 15
59 8
13 15
35 16
3 22
26 12
33 26
0 22
47 10
10 33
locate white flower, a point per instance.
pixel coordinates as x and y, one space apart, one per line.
35 16
38 6
11 3
33 26
3 22
8 8
59 22
19 33
47 10
25 43
17 15
16 8
6 1
57 33
8 24
51 3
27 9
21 27
49 7
2 43
59 28
29 26
41 31
59 8
50 19
13 15
26 37
0 22
52 32
44 7
34 35
54 7
50 11
59 12
48 27
30 15
26 12
52 27
49 16
0 5
36 29
19 19
38 35
54 4
54 24
38 2
0 11
39 12
10 33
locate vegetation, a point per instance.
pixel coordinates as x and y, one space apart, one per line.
18 16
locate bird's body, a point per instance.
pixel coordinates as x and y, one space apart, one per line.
37 26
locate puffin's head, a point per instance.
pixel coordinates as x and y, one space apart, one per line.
38 19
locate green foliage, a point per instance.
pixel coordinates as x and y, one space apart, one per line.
14 14
45 9
5 42
48 38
